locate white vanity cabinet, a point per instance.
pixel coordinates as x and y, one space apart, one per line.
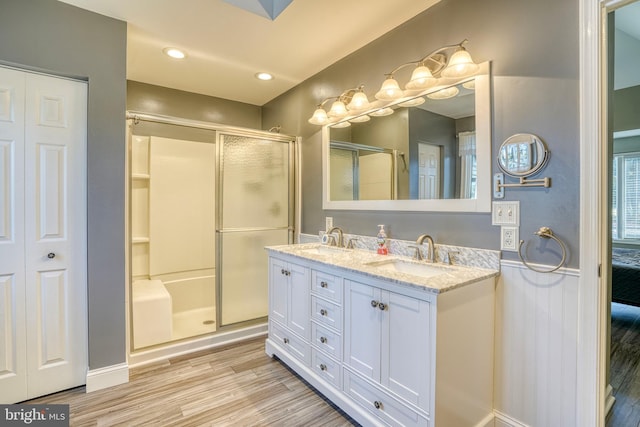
326 326
289 306
387 341
388 353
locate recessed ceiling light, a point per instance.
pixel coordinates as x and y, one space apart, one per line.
174 53
264 76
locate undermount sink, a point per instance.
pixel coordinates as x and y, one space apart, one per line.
323 250
414 268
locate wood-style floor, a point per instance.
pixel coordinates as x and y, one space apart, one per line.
625 366
237 385
240 385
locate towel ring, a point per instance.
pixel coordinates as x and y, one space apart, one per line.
546 233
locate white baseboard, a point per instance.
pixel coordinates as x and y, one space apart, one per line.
609 400
145 357
502 420
488 421
109 376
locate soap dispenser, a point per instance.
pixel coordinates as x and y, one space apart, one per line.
381 239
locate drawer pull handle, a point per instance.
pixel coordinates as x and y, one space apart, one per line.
374 303
382 306
286 340
323 367
323 284
323 312
287 273
377 404
282 271
323 340
51 255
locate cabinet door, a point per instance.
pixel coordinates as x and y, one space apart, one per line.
299 287
406 351
362 329
278 291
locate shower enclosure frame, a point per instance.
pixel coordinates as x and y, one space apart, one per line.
223 333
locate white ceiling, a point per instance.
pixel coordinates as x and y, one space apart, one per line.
227 45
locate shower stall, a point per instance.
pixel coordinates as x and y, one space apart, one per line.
205 200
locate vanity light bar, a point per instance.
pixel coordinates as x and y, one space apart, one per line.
427 74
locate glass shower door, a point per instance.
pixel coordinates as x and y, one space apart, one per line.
256 210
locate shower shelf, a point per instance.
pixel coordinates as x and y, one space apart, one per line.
140 240
140 176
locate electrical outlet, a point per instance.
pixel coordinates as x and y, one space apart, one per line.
505 213
328 223
509 237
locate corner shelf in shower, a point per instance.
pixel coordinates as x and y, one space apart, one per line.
140 240
140 176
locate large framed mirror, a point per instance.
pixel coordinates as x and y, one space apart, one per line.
435 156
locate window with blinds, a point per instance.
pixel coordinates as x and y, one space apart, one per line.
625 198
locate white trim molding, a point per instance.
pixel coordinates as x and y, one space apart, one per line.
109 376
591 332
145 357
502 420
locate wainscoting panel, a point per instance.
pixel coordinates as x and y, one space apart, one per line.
536 346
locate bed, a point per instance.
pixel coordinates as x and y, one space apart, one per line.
625 286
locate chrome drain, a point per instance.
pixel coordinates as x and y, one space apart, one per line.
208 322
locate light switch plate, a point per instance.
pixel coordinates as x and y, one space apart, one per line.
509 238
506 213
328 223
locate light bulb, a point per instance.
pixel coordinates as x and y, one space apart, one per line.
421 78
338 109
460 64
447 92
359 102
389 90
360 119
175 53
382 112
319 117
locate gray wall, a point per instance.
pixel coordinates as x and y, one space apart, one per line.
61 39
626 109
153 99
533 46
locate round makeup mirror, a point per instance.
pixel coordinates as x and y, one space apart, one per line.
522 155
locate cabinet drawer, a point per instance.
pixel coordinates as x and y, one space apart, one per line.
380 403
326 367
326 313
327 285
326 340
290 342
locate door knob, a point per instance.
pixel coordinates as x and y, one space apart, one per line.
51 255
382 306
374 303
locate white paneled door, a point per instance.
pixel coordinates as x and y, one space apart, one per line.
43 314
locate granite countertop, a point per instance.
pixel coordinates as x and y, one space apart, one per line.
369 263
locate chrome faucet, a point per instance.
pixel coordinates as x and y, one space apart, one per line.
431 249
340 241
